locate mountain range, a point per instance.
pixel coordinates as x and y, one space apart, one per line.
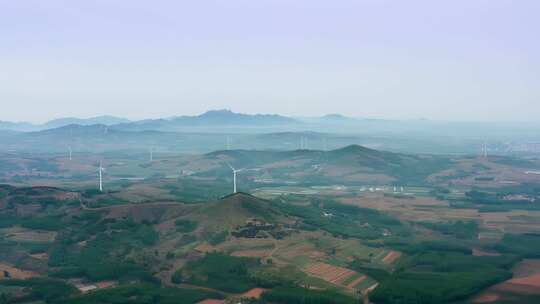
175 123
61 122
226 121
211 131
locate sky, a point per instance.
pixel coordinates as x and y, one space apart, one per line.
440 60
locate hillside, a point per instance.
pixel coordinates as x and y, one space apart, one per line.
53 239
353 163
236 209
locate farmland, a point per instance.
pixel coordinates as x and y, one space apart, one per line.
328 230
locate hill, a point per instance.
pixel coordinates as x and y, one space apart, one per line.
54 242
236 209
353 163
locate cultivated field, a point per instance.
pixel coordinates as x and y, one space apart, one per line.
26 235
335 275
526 282
391 257
10 272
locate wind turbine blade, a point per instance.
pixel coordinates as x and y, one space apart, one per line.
232 168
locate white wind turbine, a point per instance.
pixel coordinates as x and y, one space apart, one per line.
100 177
70 152
234 176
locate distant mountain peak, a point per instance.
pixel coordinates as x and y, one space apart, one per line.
228 117
218 112
98 120
335 117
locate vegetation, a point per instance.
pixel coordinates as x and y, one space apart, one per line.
143 294
457 229
185 226
103 257
437 277
524 245
218 237
298 295
52 223
345 220
222 272
47 290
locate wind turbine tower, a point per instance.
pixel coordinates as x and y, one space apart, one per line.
70 152
303 143
234 176
151 154
100 177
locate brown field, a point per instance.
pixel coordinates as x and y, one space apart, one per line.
480 252
252 253
212 301
518 288
526 268
293 250
143 192
147 211
533 280
204 248
254 293
332 274
492 224
354 283
486 298
40 256
526 281
505 292
106 284
15 273
22 234
391 257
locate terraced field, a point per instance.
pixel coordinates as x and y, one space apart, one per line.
336 275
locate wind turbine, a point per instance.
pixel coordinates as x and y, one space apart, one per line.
151 154
100 177
70 152
303 143
234 176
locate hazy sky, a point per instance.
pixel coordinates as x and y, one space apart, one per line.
454 59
